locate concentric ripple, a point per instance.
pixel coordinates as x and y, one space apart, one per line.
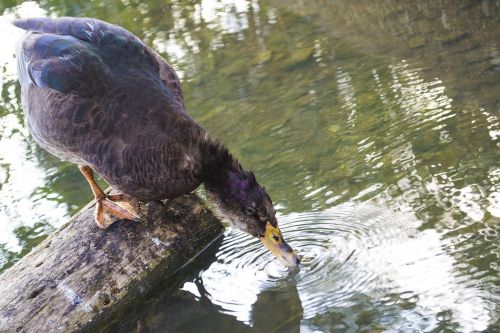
349 252
335 246
331 244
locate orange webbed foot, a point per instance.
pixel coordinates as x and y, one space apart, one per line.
110 207
115 207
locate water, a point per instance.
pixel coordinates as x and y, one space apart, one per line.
374 127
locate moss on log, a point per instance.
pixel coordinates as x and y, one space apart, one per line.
82 278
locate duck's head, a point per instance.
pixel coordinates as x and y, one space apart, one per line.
241 200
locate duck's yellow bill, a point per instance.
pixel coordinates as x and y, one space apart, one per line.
273 240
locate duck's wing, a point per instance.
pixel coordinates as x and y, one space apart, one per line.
62 63
92 37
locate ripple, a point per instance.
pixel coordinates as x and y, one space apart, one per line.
331 245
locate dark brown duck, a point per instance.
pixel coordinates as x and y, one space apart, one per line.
96 95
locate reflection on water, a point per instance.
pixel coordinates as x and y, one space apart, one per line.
374 127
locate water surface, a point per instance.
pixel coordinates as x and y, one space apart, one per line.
374 127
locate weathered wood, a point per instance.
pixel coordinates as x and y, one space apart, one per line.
81 278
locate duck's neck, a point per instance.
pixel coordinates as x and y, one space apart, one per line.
221 170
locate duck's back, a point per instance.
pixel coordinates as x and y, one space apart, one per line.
95 95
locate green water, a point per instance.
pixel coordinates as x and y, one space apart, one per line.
374 126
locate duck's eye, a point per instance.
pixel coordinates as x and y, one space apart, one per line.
276 238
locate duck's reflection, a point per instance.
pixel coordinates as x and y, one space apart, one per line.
277 309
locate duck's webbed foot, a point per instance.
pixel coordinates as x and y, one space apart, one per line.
114 207
110 207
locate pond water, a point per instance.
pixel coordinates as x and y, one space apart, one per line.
374 127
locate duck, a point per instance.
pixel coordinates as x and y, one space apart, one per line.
97 96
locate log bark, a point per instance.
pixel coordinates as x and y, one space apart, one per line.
82 278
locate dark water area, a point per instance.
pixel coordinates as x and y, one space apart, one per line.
374 126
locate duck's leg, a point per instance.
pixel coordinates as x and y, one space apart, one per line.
107 210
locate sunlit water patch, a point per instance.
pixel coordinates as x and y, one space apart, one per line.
351 252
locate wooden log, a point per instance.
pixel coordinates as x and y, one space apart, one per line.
82 278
